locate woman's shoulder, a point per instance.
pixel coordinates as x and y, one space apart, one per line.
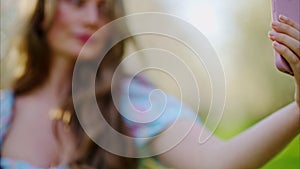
6 104
147 110
8 163
6 97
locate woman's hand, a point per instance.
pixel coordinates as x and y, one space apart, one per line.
286 41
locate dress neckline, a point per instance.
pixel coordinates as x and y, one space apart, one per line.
7 100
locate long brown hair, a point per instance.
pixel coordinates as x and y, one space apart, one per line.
33 46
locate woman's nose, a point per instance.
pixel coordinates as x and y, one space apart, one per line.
91 14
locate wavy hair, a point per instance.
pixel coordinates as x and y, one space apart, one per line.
32 44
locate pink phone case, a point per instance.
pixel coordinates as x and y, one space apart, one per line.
291 9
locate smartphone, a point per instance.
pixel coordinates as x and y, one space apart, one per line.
291 9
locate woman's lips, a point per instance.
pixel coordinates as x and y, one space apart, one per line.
84 38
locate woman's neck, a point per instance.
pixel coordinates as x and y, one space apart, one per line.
58 85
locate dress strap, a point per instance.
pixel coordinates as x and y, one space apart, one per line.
6 104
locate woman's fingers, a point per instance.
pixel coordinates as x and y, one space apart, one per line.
291 57
286 40
286 29
287 33
290 22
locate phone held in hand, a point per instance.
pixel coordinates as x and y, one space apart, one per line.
291 9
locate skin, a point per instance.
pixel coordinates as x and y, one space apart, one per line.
74 23
255 146
31 122
250 149
286 39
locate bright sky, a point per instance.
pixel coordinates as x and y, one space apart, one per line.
211 17
203 14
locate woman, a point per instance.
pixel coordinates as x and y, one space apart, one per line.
51 43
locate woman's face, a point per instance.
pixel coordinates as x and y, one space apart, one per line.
74 23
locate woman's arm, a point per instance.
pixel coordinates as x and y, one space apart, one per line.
252 148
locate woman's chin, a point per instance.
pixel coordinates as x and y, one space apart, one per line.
89 52
85 52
